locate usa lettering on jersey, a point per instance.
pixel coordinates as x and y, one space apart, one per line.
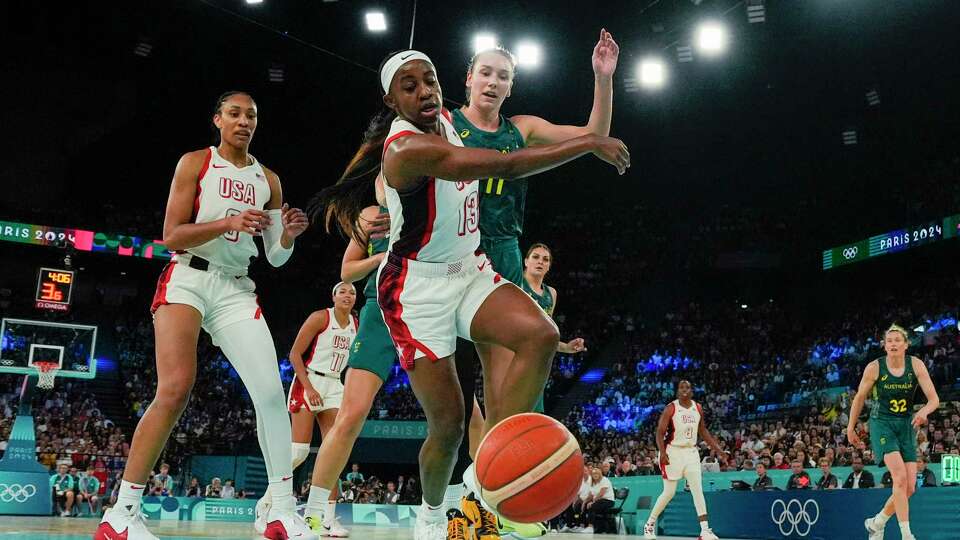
238 191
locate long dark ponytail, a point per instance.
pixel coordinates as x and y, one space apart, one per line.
341 203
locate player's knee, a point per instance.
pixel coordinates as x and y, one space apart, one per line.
349 423
300 453
541 338
448 428
173 395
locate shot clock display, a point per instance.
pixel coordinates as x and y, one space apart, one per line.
54 289
950 469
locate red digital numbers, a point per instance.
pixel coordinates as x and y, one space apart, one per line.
51 293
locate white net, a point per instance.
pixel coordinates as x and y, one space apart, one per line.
46 373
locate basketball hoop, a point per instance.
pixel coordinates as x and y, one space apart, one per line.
46 373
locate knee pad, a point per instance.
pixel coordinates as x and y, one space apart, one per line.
301 451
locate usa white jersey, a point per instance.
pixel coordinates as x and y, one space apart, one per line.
223 190
438 221
331 346
684 426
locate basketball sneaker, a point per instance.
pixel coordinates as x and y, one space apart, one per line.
287 526
707 535
650 530
333 529
484 523
119 525
261 512
520 530
456 525
874 529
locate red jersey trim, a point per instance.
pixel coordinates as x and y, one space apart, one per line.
203 172
431 215
399 134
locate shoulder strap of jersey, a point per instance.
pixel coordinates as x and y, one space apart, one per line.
399 128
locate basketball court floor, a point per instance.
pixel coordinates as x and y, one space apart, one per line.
54 528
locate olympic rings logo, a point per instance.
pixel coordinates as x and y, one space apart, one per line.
794 517
850 252
16 492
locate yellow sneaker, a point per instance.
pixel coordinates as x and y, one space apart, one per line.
456 525
521 530
483 522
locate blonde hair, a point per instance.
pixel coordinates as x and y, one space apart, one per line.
897 328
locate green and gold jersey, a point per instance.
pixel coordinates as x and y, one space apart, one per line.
545 300
378 245
501 202
894 396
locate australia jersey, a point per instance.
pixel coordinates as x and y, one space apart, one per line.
439 220
374 246
224 190
501 201
684 425
330 348
545 300
894 396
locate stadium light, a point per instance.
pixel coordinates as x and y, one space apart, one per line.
254 1
376 21
652 73
528 54
712 38
483 42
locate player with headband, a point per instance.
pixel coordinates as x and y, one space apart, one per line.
434 284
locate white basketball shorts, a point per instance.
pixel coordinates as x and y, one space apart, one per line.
329 387
683 461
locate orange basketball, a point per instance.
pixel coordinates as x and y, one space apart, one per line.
529 468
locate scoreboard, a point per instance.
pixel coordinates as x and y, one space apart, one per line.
892 242
54 289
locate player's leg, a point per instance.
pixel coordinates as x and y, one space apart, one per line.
438 391
475 428
465 360
901 487
248 345
301 429
694 478
509 318
327 505
669 490
176 330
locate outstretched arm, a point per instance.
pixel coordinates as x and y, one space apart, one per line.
410 158
536 130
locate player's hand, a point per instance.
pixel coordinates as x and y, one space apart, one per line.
664 460
852 437
605 55
919 419
249 221
378 256
312 396
577 345
723 456
294 221
378 227
613 151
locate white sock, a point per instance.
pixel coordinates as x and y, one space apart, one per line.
329 512
129 497
282 492
316 502
905 529
704 526
452 496
432 513
881 518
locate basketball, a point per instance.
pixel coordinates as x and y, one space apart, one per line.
529 467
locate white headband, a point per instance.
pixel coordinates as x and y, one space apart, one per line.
395 62
337 286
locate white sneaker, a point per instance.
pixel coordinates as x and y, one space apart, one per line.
650 530
287 526
708 535
587 530
874 529
261 512
334 530
430 530
117 525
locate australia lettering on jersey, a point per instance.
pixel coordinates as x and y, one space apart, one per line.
238 191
